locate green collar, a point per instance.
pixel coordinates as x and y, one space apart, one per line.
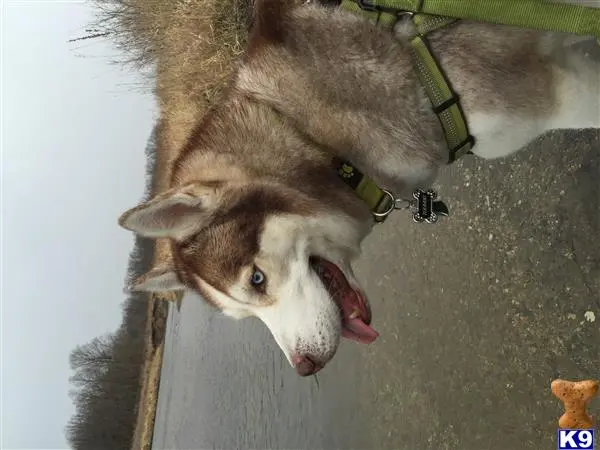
424 205
534 14
381 201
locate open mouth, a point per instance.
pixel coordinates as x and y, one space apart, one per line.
353 305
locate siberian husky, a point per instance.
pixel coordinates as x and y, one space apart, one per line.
259 222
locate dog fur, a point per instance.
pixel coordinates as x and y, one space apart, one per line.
253 187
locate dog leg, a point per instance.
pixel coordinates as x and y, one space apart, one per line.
578 92
577 106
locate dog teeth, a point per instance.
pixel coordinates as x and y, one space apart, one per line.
354 314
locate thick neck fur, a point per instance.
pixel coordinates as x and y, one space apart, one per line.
383 124
245 140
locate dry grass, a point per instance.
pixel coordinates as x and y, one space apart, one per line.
142 438
191 46
158 307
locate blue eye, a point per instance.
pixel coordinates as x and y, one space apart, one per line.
258 278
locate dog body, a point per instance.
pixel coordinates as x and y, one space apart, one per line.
261 225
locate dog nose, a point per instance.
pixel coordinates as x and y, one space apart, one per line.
306 364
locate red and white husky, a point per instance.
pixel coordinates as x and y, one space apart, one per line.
259 222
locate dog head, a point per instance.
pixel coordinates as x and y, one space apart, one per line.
262 249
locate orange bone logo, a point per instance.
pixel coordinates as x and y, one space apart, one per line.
575 395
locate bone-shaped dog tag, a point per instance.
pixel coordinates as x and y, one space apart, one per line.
427 208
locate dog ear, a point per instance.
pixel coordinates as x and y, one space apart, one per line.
162 278
175 214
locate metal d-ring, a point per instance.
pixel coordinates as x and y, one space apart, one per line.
396 203
390 208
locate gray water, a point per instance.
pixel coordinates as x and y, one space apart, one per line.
477 315
227 385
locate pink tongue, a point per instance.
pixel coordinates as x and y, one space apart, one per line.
359 331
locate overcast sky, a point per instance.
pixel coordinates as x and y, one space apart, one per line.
73 134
